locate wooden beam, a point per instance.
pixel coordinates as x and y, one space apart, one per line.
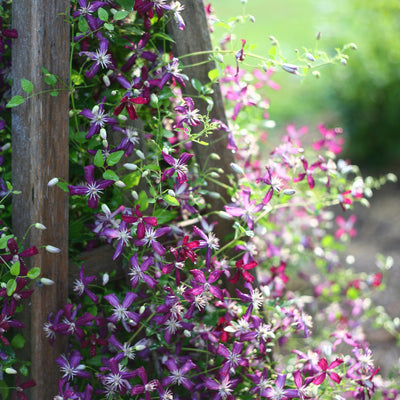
40 152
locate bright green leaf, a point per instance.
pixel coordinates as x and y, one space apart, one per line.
120 15
15 268
352 293
15 101
163 216
163 36
11 286
24 370
4 240
99 159
83 25
109 174
171 200
63 186
132 180
109 27
33 273
213 74
18 341
103 14
113 158
196 84
143 200
26 85
152 167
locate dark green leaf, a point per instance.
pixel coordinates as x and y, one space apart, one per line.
18 341
197 84
109 174
127 4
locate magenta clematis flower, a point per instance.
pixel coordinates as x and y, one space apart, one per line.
177 165
242 269
204 285
120 311
332 139
189 114
224 387
150 237
140 221
325 371
232 359
177 376
261 380
81 285
248 211
172 70
264 79
98 119
146 387
309 171
278 392
20 293
86 10
101 58
93 188
21 386
123 236
210 241
128 102
70 366
137 272
345 227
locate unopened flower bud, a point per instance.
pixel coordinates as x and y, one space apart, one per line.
214 195
134 194
215 156
95 109
71 113
130 166
310 57
139 347
236 168
140 154
292 69
39 226
343 61
289 192
105 143
119 184
318 35
122 117
225 215
105 279
145 173
106 80
154 100
252 18
171 193
46 281
220 58
142 309
105 209
10 371
103 133
113 92
213 174
187 333
353 46
52 249
6 147
52 182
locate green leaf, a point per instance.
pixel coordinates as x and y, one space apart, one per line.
33 273
4 240
143 201
27 86
11 286
132 180
103 14
15 101
24 370
109 174
54 94
163 216
127 4
152 167
352 293
113 158
163 36
172 201
15 268
109 27
197 84
4 389
83 25
213 74
18 341
99 159
120 15
63 186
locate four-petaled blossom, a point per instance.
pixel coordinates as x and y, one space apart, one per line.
81 285
140 221
98 119
209 241
146 387
224 387
93 189
70 366
203 285
177 165
232 359
123 236
326 370
150 236
137 272
120 311
101 58
345 227
178 375
128 103
278 392
242 269
189 114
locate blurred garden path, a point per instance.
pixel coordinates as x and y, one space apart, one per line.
379 232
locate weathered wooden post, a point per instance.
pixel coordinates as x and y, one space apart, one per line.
40 152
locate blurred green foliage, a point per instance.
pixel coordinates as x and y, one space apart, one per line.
367 92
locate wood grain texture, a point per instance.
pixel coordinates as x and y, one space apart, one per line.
196 38
40 152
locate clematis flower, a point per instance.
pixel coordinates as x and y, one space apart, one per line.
70 366
332 139
81 285
93 189
86 10
146 387
232 359
345 227
278 392
264 79
325 370
204 285
137 272
209 241
128 102
101 58
224 387
150 237
242 271
177 376
140 221
121 312
189 114
123 236
178 166
6 33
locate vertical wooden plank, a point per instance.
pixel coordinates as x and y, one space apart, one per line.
40 152
196 38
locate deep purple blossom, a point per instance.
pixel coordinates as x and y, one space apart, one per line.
70 366
172 70
232 359
98 119
120 311
17 255
93 189
178 375
81 285
224 387
122 235
101 57
146 387
137 272
203 285
278 392
6 33
86 10
177 165
209 241
150 237
189 114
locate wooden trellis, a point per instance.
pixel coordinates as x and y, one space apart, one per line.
40 138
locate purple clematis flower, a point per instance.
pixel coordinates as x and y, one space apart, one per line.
120 311
140 221
278 392
122 234
98 119
206 285
86 10
146 387
93 188
81 285
177 376
70 366
101 58
210 241
232 359
137 272
247 211
190 115
177 165
150 237
224 387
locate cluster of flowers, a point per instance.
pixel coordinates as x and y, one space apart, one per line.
199 315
